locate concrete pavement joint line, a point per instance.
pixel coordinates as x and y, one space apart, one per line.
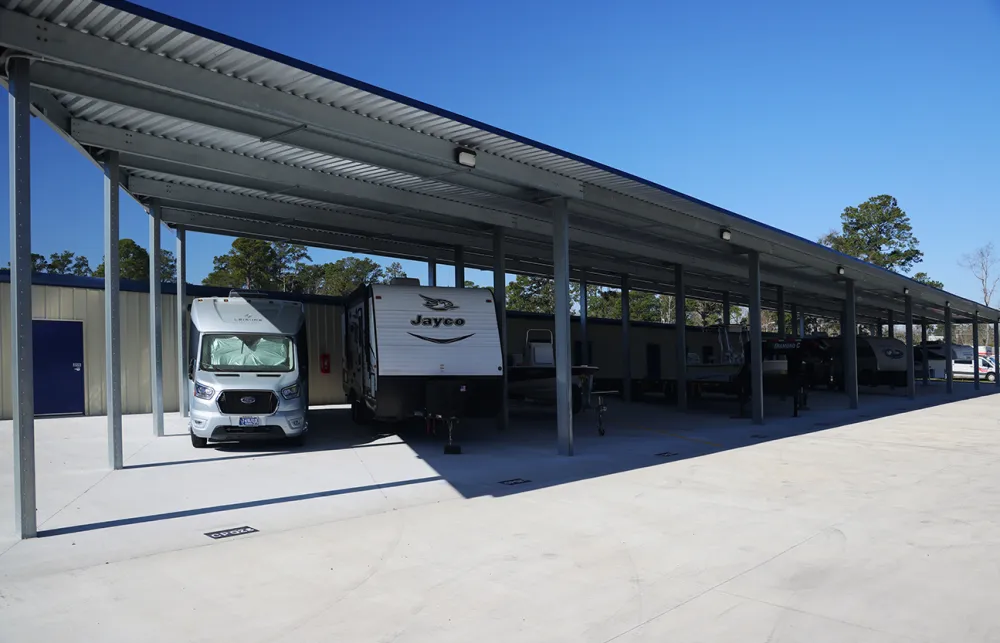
728 580
200 545
383 559
85 492
368 471
815 615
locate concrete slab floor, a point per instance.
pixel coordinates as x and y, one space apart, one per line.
870 525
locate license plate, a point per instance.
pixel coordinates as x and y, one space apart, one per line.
249 421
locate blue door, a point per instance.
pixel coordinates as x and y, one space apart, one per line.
58 348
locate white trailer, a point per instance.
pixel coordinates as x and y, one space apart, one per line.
417 350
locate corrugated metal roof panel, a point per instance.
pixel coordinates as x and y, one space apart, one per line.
119 22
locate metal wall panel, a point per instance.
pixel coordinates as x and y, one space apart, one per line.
323 327
87 305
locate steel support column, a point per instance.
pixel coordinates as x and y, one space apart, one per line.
726 305
975 350
949 361
680 326
911 376
459 267
878 328
500 299
891 325
996 353
432 270
584 348
925 363
795 321
756 342
781 312
112 311
22 366
182 330
563 344
850 334
155 321
626 343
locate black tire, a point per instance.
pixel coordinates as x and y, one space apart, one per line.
991 377
577 399
360 413
199 443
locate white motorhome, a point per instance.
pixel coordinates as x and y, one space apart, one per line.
412 350
247 369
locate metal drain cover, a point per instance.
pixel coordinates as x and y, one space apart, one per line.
514 481
667 454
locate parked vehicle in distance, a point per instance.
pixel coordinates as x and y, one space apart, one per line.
963 369
247 369
881 361
532 374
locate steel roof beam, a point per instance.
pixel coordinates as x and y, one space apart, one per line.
286 110
333 189
235 226
330 219
330 188
64 79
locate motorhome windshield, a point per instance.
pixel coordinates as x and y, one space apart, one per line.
246 353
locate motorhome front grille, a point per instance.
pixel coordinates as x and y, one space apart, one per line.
248 402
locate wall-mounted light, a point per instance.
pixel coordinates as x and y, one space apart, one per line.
725 234
906 291
840 270
465 157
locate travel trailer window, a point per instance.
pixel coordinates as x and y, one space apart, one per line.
247 353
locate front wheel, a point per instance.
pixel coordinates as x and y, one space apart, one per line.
991 377
360 413
198 443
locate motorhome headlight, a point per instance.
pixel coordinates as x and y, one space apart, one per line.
203 392
290 392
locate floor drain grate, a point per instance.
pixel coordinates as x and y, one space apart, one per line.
823 424
229 533
758 436
667 454
514 481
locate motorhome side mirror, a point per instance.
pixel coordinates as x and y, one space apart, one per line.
191 369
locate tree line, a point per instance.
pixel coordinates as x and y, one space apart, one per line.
254 264
133 263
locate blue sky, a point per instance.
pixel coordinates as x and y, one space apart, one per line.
783 111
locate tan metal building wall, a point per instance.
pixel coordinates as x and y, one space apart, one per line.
87 305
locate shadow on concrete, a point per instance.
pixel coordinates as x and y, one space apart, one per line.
523 457
230 507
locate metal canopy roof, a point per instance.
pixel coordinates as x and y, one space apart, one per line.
229 138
